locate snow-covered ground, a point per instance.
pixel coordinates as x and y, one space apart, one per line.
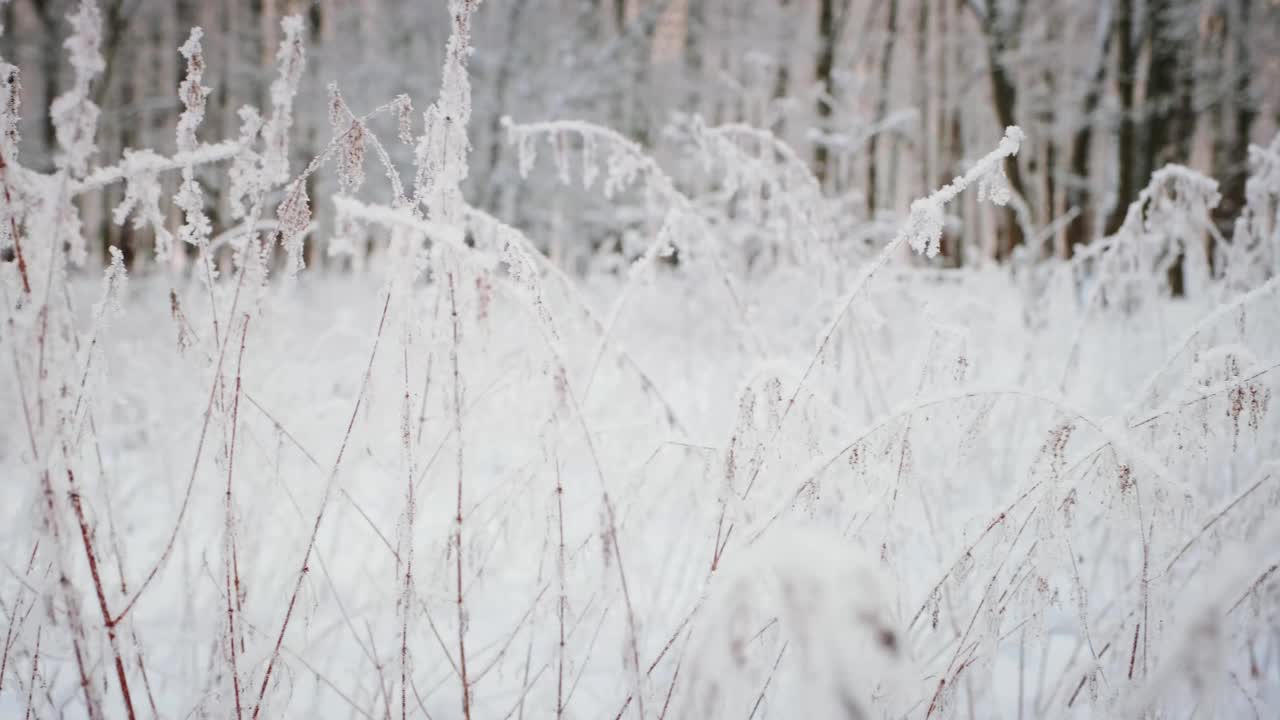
935 478
750 469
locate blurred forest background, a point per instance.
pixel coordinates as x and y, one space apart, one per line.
885 99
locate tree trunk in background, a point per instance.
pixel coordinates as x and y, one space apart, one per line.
1163 131
1232 165
1078 193
1165 126
1169 121
269 31
1048 201
695 55
823 75
50 14
923 98
1179 65
502 80
636 37
882 108
1000 32
781 81
957 78
1126 86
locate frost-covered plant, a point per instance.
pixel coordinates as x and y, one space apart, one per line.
10 215
195 229
142 198
828 485
59 368
809 599
761 184
441 151
74 114
292 59
1168 224
351 135
1253 253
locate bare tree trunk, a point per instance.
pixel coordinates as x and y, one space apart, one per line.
882 108
1168 120
502 80
695 55
1232 166
1126 76
1078 193
1001 34
823 75
923 98
50 15
782 74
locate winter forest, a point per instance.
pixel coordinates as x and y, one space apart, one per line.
639 359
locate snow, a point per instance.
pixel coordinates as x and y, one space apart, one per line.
744 467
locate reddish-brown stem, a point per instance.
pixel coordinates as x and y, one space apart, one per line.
457 528
222 343
767 680
1133 654
1146 585
675 676
8 641
195 465
997 520
41 373
1085 678
717 547
35 672
13 229
232 566
1214 519
142 670
661 654
1253 586
564 598
406 549
528 650
16 623
315 528
955 660
51 520
86 537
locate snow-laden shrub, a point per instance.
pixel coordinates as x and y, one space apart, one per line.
770 465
